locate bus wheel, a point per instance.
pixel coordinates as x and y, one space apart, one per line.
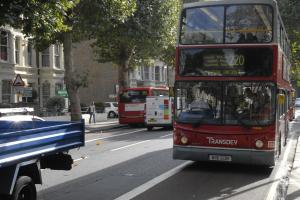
24 189
149 128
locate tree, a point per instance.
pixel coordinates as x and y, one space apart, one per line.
56 104
61 21
149 33
290 13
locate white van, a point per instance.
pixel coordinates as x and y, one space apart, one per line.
158 112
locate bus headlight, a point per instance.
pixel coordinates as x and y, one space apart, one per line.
184 140
259 144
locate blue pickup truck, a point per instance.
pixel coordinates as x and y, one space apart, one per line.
28 146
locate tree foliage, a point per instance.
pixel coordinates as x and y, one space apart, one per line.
56 104
149 33
290 13
54 21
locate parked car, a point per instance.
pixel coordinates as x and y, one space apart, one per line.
297 102
17 118
111 108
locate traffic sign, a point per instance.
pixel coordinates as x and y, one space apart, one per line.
27 92
18 82
62 93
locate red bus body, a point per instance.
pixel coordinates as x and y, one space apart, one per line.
254 143
133 111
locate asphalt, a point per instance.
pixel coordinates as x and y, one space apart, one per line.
291 189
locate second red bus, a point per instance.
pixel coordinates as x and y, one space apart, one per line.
132 103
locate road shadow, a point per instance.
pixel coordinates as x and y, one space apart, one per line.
199 180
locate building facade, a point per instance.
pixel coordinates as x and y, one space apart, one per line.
102 79
41 72
155 75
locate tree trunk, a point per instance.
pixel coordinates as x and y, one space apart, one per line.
122 76
72 89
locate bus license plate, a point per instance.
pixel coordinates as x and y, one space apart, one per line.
220 158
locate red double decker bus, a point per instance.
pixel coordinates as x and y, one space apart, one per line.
132 103
232 82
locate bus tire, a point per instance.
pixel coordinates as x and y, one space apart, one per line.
24 189
149 128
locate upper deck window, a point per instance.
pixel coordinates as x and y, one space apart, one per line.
133 96
243 24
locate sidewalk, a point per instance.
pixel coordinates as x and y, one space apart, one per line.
293 188
103 125
293 192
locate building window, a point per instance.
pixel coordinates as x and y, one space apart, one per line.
46 92
157 68
146 73
57 55
163 74
29 53
17 50
141 73
153 73
3 46
45 58
6 91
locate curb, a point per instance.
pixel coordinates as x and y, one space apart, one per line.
103 128
282 188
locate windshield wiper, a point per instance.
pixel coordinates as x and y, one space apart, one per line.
239 119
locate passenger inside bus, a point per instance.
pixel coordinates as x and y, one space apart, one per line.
251 38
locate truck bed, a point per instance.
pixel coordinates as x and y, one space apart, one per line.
22 141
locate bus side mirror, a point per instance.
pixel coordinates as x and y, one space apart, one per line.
280 99
293 94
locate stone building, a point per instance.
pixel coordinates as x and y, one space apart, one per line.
103 77
42 73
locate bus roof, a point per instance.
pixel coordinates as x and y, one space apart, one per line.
225 2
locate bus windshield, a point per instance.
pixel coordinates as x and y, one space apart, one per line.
226 62
232 103
133 96
241 24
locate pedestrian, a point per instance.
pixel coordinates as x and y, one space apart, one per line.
92 112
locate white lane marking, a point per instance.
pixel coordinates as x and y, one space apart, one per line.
164 136
127 146
81 158
146 186
101 138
